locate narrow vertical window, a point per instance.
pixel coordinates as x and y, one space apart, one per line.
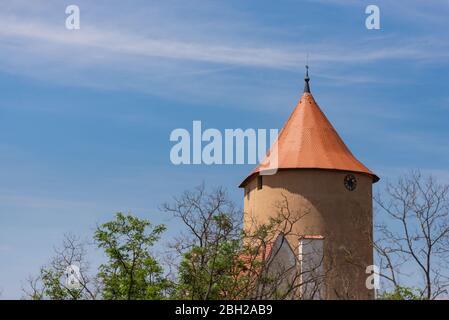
259 182
311 262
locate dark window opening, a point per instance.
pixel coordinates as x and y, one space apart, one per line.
259 182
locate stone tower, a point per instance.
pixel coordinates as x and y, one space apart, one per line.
318 177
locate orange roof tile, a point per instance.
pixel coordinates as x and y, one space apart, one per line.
309 141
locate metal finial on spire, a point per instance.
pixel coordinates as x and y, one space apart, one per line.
307 79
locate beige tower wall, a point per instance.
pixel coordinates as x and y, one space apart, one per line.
343 217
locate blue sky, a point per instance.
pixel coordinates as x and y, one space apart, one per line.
85 116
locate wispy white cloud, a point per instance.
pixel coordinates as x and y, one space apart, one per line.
23 34
127 44
193 59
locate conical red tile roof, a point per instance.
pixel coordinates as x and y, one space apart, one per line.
309 141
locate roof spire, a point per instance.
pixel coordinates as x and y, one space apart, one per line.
307 79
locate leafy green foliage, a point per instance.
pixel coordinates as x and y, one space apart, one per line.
208 272
227 264
402 293
215 259
51 281
131 271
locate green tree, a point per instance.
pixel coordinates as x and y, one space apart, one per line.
206 272
402 293
51 282
222 261
131 271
